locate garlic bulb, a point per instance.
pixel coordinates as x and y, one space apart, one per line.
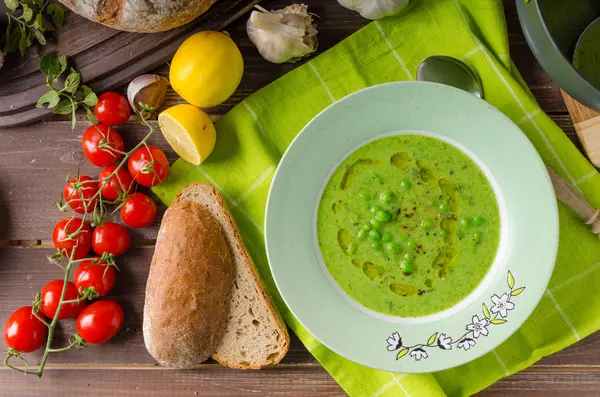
147 91
283 35
375 9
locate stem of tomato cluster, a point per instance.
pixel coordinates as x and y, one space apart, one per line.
127 155
52 325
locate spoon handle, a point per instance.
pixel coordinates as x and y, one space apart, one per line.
572 199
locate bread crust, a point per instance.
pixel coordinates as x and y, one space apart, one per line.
237 240
144 16
187 293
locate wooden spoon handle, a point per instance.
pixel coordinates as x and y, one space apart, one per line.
572 199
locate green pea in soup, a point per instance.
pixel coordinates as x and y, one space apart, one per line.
408 225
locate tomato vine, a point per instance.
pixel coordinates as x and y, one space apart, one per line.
95 207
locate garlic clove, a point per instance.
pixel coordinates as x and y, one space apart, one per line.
148 89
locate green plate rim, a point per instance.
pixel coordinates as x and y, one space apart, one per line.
315 321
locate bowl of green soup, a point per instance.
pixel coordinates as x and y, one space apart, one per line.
565 38
411 227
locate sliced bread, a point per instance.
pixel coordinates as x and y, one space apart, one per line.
255 334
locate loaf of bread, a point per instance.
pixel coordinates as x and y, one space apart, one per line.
255 335
144 16
187 293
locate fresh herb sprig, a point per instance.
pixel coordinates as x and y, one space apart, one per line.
29 20
71 96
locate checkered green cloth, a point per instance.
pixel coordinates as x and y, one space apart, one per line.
253 136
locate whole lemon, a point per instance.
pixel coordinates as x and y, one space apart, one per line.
206 69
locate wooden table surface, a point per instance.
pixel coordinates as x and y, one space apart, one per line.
34 161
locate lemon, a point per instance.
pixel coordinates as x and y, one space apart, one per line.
189 131
206 69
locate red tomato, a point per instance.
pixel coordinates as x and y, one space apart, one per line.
23 331
138 210
102 145
100 321
112 108
65 240
117 185
98 275
51 296
148 166
112 238
78 194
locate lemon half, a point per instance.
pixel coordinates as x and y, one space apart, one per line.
189 131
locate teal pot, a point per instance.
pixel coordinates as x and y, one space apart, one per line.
552 28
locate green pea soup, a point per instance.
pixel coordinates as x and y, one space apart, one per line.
408 225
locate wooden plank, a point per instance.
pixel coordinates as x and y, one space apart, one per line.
543 382
35 160
24 271
213 381
34 163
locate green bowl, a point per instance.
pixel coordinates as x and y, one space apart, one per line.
553 40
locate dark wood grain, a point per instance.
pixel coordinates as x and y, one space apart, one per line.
48 152
34 161
105 60
286 380
24 271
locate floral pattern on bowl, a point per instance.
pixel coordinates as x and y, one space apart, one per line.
497 314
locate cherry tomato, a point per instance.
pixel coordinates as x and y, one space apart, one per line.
98 275
65 240
112 238
148 166
117 185
138 210
102 145
78 194
112 108
100 321
51 296
23 331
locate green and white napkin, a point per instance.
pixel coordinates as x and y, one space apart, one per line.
252 137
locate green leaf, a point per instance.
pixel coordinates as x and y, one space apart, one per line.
73 117
57 13
403 352
23 41
486 312
50 65
27 13
39 36
72 81
511 280
518 291
90 115
65 106
62 60
47 25
89 97
38 23
432 339
11 4
497 321
29 40
13 35
51 98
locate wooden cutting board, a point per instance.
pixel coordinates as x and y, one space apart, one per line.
587 125
106 58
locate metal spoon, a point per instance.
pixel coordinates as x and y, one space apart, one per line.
451 71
